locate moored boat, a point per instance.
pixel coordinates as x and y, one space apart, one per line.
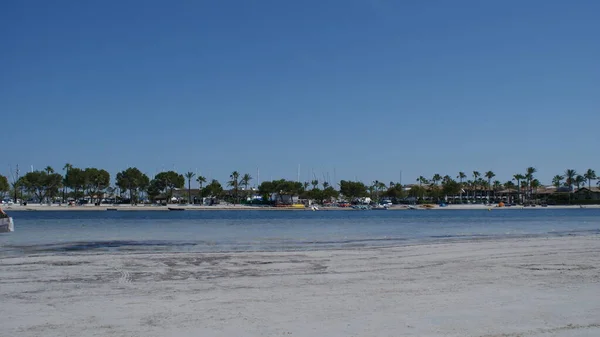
176 209
379 208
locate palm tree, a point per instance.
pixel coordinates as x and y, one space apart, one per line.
496 186
66 168
461 176
201 180
589 176
436 178
556 180
489 175
529 176
469 184
189 176
246 180
518 178
535 184
325 185
570 177
579 180
509 185
314 183
234 182
476 176
49 170
380 187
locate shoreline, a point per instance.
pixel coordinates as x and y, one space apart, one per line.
104 208
504 287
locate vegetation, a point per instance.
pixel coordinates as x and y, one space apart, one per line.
133 186
4 186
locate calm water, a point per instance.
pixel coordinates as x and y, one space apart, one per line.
210 231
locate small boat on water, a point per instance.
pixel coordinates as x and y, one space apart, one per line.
361 207
176 209
112 209
6 223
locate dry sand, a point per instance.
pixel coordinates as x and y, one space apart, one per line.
519 287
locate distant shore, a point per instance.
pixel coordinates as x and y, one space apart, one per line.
230 207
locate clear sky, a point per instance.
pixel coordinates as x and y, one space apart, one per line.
365 88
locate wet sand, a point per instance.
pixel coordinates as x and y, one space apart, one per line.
517 287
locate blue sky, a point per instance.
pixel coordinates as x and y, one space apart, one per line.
365 88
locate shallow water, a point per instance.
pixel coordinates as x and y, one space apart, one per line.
219 231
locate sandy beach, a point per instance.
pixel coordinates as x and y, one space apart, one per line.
230 207
492 288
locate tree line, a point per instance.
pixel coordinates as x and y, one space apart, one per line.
135 186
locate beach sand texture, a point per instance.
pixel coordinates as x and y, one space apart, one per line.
515 287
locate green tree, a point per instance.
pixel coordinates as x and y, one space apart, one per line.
234 182
287 188
519 177
134 181
95 181
169 181
266 189
43 185
556 181
245 181
66 168
461 176
570 175
579 180
589 176
201 181
489 175
450 187
475 183
497 185
154 189
395 191
417 192
314 183
535 184
353 189
529 176
329 193
75 180
213 190
189 176
4 186
321 195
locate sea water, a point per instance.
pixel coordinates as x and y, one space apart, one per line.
39 232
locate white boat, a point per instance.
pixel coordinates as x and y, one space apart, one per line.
379 208
7 225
